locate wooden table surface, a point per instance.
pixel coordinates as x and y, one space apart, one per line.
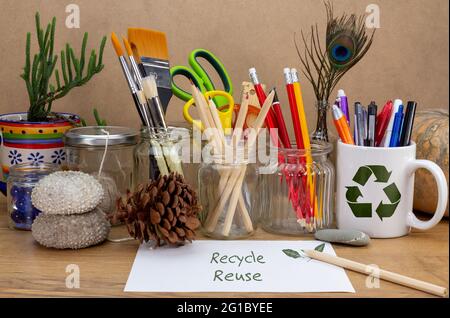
30 270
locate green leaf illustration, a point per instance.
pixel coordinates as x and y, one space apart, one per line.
291 253
320 247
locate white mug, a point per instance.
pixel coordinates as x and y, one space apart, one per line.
375 188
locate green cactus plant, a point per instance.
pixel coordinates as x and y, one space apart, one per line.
98 120
38 71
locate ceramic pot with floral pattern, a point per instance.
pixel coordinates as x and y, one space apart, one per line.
32 142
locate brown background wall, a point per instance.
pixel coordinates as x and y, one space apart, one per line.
409 57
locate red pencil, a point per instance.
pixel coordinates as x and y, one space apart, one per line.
271 121
294 110
282 131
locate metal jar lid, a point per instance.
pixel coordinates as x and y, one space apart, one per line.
96 136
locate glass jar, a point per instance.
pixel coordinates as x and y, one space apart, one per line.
162 151
190 145
21 181
85 148
226 192
297 191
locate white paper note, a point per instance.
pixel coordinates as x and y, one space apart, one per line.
234 266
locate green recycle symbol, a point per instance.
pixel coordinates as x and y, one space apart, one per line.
364 210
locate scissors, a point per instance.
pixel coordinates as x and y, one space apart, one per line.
200 78
225 112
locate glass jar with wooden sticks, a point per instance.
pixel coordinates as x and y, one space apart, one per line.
296 192
227 186
225 183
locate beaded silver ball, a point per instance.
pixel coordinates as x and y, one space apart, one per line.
67 192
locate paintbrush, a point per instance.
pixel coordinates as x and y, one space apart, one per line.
155 106
150 50
157 115
134 65
138 95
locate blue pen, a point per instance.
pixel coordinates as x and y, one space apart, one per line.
396 128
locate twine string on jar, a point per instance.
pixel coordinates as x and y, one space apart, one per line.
102 162
104 152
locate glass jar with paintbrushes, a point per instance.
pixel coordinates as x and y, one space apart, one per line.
156 154
160 152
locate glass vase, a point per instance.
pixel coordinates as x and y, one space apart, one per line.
321 132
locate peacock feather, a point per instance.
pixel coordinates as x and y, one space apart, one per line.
346 43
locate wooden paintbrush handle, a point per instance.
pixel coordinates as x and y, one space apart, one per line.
381 273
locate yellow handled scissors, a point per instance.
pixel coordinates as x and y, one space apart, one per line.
225 115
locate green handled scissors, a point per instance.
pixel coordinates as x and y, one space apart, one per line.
200 78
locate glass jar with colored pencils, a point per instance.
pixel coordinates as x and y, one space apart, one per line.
296 191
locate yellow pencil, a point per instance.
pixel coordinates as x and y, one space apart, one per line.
305 135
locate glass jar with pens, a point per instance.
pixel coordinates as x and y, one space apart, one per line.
297 190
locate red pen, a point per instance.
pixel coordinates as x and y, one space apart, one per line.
271 121
383 122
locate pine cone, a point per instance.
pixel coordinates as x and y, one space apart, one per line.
164 210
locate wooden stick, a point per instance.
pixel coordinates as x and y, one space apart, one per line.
381 273
225 175
237 187
233 202
213 218
210 119
202 109
231 183
240 120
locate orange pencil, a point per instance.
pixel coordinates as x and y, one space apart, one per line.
341 126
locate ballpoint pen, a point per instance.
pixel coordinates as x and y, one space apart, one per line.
407 126
383 122
360 124
365 124
343 105
395 137
385 142
371 124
